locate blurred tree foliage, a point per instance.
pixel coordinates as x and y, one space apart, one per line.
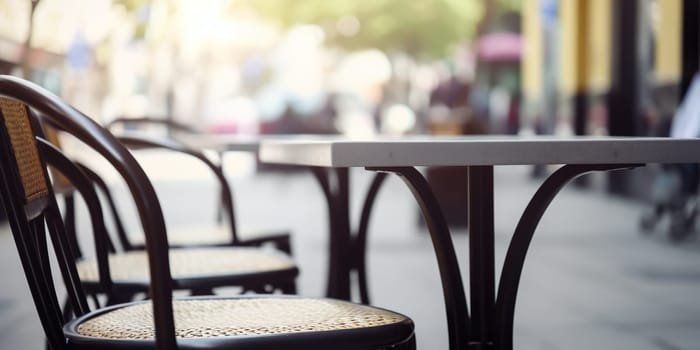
423 29
132 5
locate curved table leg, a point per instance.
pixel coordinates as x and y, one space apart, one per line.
482 280
452 287
515 257
334 184
360 246
343 260
322 178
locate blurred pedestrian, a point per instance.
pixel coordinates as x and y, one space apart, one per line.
675 189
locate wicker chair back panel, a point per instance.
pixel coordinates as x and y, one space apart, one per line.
24 146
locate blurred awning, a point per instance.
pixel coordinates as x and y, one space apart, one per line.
500 46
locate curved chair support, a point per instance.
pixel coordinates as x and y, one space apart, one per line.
60 162
515 257
100 183
361 238
60 185
452 287
69 222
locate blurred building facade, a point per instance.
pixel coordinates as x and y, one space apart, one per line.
601 67
572 49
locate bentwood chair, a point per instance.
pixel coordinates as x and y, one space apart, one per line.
222 233
121 275
243 322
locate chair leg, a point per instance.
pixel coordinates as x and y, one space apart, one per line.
409 344
284 246
288 288
67 310
96 300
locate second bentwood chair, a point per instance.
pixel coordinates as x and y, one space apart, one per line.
121 274
219 234
243 322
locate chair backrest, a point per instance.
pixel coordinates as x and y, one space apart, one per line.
73 176
31 206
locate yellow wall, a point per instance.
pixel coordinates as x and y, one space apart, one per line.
533 50
585 32
668 41
568 48
599 41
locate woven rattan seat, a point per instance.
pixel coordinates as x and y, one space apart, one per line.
204 318
189 263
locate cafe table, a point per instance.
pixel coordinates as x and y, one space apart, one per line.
488 321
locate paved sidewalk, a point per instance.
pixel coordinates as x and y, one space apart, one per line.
591 280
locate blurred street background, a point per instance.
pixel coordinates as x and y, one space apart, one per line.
616 262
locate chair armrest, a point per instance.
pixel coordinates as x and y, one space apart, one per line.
103 245
142 142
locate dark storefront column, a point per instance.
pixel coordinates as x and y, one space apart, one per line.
690 43
623 100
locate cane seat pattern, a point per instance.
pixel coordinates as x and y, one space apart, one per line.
190 262
202 318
